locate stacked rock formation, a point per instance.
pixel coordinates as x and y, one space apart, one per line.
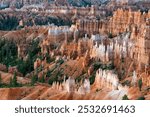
69 86
118 48
85 87
135 22
106 79
59 33
89 25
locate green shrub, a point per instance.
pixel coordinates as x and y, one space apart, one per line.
140 84
61 61
50 81
14 80
125 97
97 66
78 79
141 98
48 74
42 80
92 79
48 59
110 35
34 79
127 82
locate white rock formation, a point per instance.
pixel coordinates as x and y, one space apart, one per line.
85 87
70 85
121 47
134 78
107 78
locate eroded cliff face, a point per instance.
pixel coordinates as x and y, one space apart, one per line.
121 21
127 20
135 22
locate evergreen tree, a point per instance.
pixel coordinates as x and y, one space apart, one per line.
141 98
48 73
21 66
140 84
34 79
110 35
40 68
48 59
43 79
50 81
125 97
14 80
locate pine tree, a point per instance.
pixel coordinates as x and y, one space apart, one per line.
48 73
43 79
140 84
125 97
141 98
110 35
34 79
14 80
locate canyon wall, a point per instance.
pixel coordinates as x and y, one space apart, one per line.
135 22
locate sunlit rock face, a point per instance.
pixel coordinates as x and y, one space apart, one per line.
121 48
89 25
138 24
59 33
146 80
70 86
142 51
124 20
106 78
22 50
96 37
85 87
135 22
77 49
37 63
118 94
54 30
134 78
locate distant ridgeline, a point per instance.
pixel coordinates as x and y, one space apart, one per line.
21 3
